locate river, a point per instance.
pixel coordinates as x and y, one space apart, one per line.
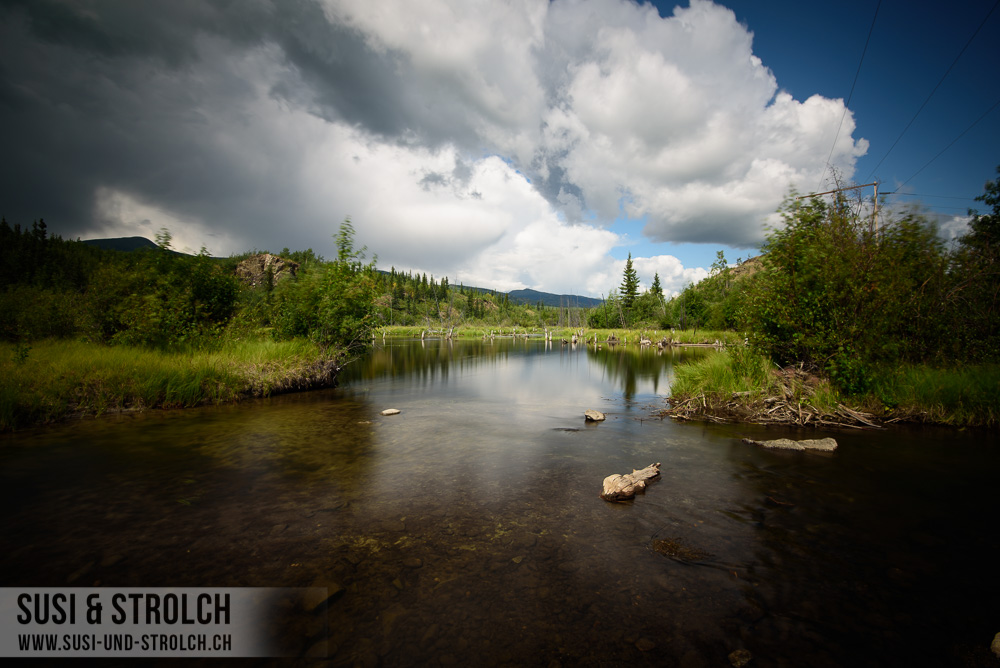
468 528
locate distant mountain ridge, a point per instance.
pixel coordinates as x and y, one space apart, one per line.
121 243
549 299
522 296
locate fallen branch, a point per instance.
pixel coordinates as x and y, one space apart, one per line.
623 487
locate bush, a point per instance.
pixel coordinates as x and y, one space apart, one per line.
840 296
332 304
28 313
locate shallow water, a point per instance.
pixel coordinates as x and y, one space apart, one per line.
468 528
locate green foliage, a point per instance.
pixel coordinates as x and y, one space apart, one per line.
839 295
162 299
29 312
712 303
630 285
975 290
159 299
609 315
656 288
332 304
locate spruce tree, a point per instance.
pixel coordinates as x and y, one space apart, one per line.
656 288
630 284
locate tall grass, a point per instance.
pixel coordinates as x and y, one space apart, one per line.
54 378
735 370
962 396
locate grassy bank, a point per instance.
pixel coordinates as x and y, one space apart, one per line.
53 379
632 336
741 385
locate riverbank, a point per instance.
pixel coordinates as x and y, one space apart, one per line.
55 379
739 386
699 337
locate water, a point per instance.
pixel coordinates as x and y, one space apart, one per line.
468 528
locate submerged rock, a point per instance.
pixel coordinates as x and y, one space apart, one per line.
594 416
740 658
818 445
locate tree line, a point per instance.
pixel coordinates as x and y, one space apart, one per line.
157 298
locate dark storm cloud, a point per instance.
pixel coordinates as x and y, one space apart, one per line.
131 96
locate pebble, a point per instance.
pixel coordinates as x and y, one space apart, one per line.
391 411
740 658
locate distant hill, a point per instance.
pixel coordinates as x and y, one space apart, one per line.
549 299
521 296
121 243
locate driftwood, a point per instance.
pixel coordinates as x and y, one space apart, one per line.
817 445
743 407
622 487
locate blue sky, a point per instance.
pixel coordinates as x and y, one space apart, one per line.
520 144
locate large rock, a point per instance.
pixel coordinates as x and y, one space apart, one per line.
254 269
817 445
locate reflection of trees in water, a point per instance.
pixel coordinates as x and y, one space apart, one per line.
430 360
427 360
626 365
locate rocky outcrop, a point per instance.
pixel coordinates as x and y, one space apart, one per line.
254 270
817 445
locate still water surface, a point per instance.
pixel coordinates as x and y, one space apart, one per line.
469 528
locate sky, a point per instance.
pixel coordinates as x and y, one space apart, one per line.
503 144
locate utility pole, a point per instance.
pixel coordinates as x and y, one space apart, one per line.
874 204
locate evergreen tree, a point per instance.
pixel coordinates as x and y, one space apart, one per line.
630 284
656 288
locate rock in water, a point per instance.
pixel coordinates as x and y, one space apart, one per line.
740 658
622 487
390 411
594 416
817 445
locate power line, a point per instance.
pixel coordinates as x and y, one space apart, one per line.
974 124
851 94
950 67
899 194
